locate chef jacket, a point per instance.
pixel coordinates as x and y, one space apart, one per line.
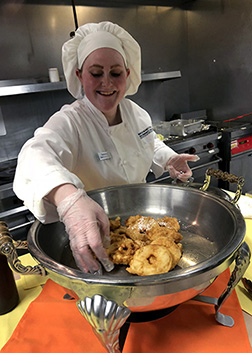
77 146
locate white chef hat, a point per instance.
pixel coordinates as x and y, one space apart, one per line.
92 36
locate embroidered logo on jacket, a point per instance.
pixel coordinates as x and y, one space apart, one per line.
145 132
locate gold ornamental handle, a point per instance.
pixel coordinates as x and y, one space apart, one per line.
231 178
8 248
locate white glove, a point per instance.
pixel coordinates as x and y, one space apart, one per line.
178 167
88 228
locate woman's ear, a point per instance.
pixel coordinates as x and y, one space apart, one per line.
128 72
78 74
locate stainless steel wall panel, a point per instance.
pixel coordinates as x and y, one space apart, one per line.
32 36
31 39
23 114
220 57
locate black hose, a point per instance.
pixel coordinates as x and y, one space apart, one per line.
75 18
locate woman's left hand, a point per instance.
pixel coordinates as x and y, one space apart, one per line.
178 168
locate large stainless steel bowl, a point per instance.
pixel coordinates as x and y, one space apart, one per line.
212 227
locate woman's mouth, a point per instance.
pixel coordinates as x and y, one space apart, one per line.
106 94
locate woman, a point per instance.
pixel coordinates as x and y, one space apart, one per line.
100 140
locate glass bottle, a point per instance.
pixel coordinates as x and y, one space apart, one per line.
9 297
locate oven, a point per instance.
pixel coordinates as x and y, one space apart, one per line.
204 144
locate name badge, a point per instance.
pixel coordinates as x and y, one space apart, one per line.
103 156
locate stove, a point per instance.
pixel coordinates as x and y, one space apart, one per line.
7 171
12 210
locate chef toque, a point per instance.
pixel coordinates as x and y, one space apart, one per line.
92 36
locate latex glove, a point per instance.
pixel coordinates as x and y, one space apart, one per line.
88 228
178 167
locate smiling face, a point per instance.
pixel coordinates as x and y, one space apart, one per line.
103 78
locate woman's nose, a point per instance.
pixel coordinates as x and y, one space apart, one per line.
106 80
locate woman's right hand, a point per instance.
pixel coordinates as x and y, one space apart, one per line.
88 228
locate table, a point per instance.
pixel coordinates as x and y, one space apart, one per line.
30 287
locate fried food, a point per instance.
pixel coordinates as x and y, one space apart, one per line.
147 228
137 227
157 232
118 234
175 249
151 260
169 222
147 245
121 252
116 223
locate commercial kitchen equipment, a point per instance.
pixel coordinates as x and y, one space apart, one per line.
12 210
204 144
235 150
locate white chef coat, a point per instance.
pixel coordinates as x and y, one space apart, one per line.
78 146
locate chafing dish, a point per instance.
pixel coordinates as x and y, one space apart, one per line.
213 229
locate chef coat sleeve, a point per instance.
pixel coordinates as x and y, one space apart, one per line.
162 153
45 162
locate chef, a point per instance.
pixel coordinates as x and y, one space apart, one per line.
101 139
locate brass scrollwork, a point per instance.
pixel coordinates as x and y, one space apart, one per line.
20 244
231 178
8 249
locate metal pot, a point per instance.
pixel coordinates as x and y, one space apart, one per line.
213 230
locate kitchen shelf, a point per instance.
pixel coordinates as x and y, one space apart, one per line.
161 76
11 87
111 3
31 88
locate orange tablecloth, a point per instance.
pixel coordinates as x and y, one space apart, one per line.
52 324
